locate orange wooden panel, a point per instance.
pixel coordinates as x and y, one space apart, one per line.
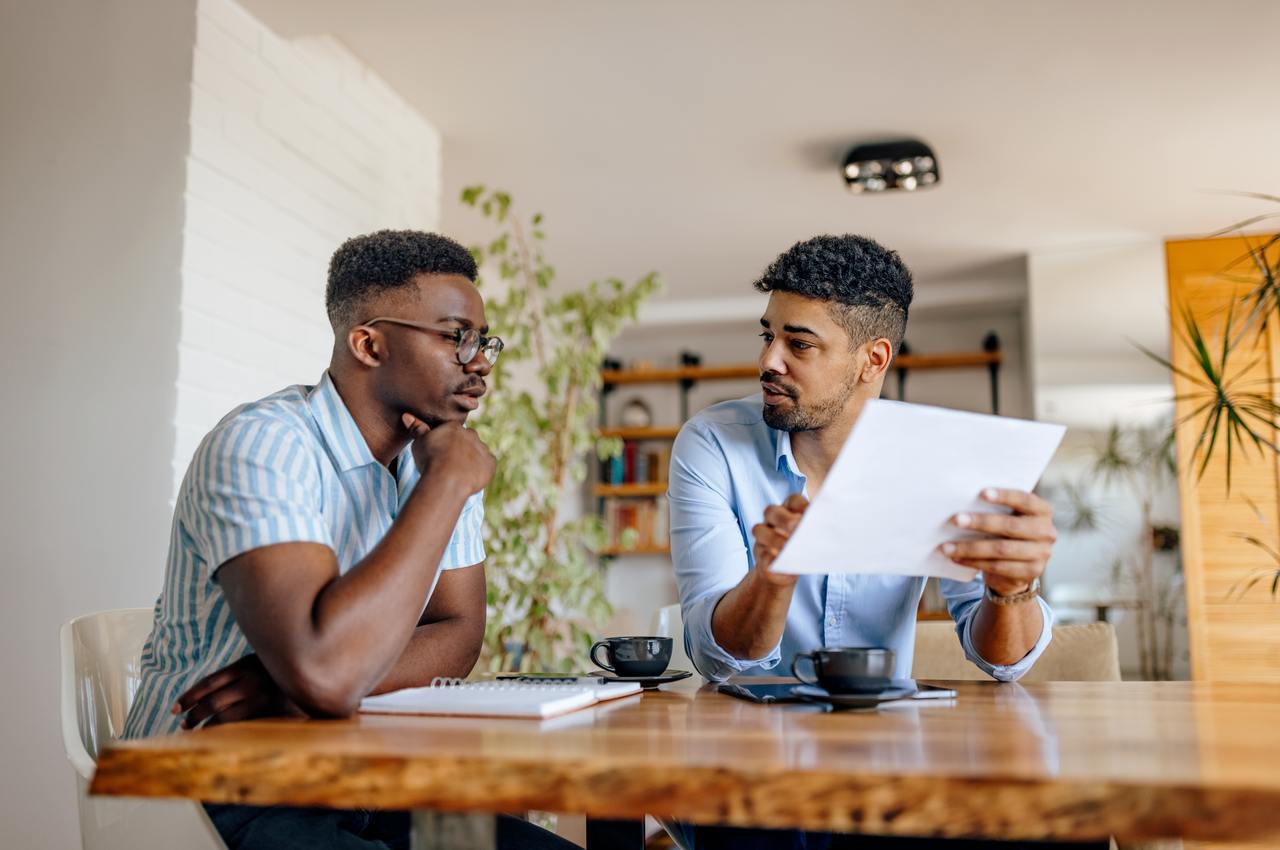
1231 638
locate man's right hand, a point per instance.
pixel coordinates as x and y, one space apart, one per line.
243 690
780 522
452 449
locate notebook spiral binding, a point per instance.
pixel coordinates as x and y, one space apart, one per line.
525 683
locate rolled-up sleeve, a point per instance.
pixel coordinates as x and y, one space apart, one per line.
708 547
963 598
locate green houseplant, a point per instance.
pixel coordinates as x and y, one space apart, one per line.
546 594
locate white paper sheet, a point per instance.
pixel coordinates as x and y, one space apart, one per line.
905 470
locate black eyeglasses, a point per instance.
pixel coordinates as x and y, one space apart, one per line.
469 341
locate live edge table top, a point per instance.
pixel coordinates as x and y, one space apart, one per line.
1066 760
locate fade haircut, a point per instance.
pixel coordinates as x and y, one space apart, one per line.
370 265
868 286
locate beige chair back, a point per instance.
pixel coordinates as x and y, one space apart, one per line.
1077 653
101 670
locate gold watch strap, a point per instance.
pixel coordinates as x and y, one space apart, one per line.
1030 593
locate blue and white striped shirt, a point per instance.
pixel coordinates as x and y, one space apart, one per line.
727 466
292 467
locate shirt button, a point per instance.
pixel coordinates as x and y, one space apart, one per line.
831 621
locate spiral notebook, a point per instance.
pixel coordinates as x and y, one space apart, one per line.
497 699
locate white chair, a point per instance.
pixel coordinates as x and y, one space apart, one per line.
101 668
668 621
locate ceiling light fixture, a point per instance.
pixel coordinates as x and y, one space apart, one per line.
907 164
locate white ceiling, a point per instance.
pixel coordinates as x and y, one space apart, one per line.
702 138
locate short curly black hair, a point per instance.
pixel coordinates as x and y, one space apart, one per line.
869 286
387 259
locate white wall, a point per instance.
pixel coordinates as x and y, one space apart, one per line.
295 146
1087 307
166 231
94 102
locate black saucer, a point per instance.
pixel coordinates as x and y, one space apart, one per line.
645 681
813 693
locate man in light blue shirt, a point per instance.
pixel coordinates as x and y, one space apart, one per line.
326 539
742 473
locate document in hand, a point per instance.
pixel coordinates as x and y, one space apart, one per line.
905 470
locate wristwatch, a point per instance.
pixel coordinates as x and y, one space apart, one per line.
1030 593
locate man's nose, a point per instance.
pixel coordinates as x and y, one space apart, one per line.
771 359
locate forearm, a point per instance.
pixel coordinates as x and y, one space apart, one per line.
749 620
362 620
1004 634
446 648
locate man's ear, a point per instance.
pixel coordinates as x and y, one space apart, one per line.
879 354
367 345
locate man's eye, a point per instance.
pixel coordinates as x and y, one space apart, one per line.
767 337
800 346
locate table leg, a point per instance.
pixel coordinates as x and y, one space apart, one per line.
615 834
454 831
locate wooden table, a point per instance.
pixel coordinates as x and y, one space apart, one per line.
1075 761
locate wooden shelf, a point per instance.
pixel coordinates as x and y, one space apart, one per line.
614 551
664 433
964 360
685 373
605 491
932 615
961 360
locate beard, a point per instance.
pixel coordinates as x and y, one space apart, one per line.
803 415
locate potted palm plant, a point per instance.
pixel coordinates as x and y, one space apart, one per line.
545 592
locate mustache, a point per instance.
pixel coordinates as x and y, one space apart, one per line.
772 378
470 386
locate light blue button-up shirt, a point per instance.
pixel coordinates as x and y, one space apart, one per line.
292 467
727 466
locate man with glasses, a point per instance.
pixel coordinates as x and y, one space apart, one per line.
326 540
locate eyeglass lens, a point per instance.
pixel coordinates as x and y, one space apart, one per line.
469 346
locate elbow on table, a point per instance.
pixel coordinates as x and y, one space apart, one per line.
320 691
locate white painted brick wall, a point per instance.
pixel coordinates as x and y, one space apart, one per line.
295 146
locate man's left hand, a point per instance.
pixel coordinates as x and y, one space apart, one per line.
242 690
1016 546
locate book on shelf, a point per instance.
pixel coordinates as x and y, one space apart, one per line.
628 462
636 465
648 518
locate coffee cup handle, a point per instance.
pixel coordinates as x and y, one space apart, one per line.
795 670
596 661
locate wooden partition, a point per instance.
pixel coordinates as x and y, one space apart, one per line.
1232 637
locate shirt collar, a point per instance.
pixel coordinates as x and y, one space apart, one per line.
783 458
337 427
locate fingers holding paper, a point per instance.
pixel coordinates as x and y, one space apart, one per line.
1016 546
780 521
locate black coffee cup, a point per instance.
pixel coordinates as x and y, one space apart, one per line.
634 656
847 669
